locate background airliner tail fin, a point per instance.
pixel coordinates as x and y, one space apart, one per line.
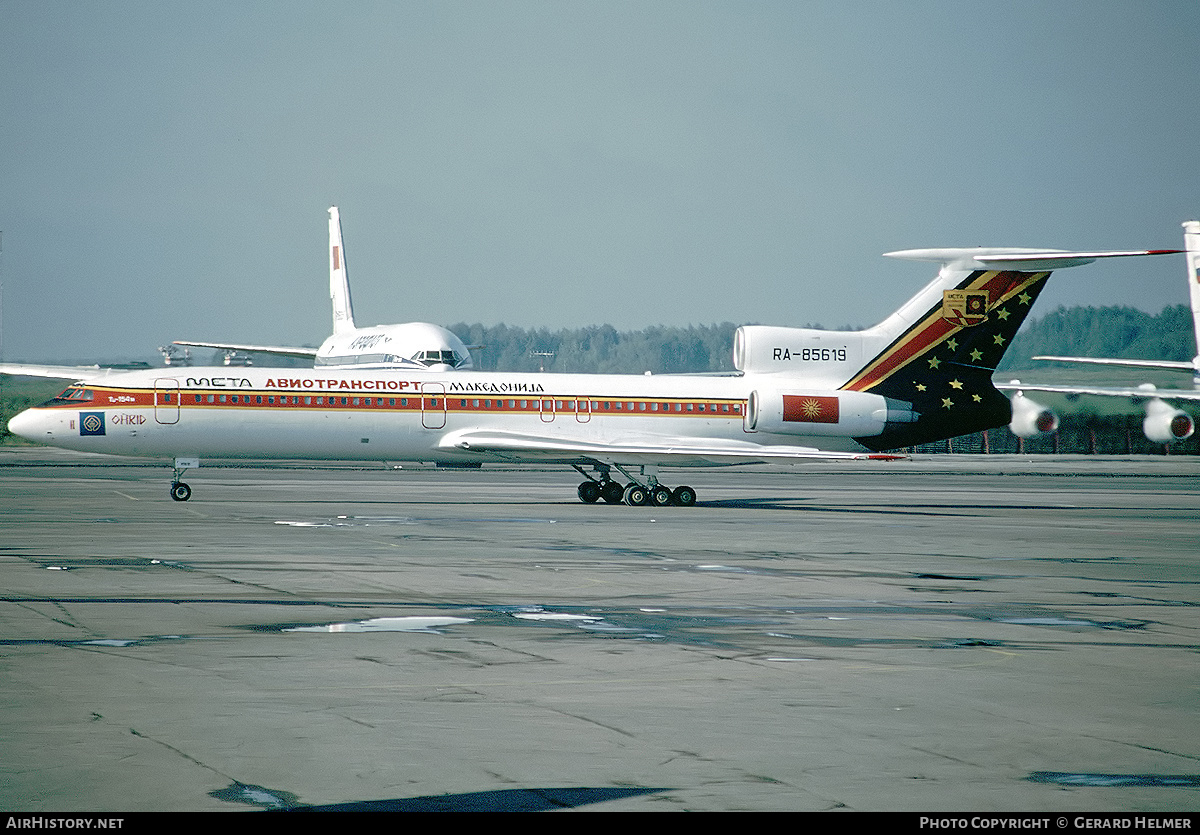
1191 242
339 283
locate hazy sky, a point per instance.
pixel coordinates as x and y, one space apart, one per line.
165 168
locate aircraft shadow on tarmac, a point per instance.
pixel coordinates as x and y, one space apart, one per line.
502 800
800 504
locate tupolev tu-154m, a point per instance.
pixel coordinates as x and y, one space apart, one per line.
922 374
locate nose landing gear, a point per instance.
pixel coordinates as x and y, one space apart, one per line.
180 491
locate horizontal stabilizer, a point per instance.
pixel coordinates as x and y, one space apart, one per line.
1015 258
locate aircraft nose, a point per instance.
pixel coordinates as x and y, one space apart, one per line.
25 424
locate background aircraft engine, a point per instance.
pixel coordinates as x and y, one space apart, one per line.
1164 423
853 414
1031 419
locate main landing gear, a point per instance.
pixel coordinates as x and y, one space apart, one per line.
634 494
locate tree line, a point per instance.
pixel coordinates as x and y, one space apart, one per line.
1121 332
602 349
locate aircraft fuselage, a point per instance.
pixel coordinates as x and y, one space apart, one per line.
389 415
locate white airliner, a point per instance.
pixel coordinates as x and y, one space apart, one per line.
922 374
416 346
1163 422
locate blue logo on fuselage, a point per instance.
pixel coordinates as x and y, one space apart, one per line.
91 423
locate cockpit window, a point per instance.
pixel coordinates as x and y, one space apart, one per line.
437 358
73 394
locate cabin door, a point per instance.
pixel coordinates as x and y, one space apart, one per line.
166 400
433 405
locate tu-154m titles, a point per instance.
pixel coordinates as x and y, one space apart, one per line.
922 374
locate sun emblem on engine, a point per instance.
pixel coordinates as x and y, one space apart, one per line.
811 408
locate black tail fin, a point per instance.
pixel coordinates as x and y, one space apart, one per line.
943 363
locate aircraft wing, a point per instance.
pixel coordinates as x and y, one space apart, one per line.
59 372
277 350
1162 365
1142 392
649 450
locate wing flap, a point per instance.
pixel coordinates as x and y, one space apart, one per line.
648 450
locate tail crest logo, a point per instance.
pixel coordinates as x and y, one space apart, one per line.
964 308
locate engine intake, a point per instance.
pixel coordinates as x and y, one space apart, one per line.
1031 419
1164 423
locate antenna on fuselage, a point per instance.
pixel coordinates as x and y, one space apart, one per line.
339 283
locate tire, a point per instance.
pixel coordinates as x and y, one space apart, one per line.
612 492
661 496
180 492
683 496
636 495
589 492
